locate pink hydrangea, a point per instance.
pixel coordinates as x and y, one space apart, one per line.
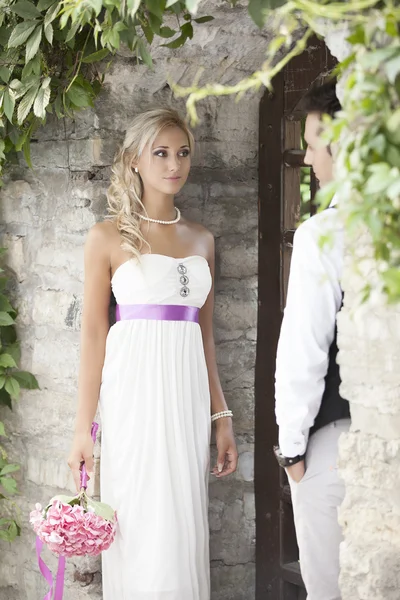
71 529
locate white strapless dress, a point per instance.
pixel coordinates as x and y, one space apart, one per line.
155 414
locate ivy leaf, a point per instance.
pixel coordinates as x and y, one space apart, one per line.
21 32
204 19
96 56
45 4
25 9
8 107
12 387
26 103
5 304
51 14
21 87
132 6
5 398
42 99
392 68
26 380
48 32
177 43
5 319
7 361
258 9
171 3
5 74
33 44
15 351
144 53
9 484
156 7
192 5
79 96
166 32
187 30
9 469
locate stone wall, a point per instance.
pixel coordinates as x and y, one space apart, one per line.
369 456
45 214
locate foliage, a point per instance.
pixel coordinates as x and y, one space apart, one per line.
11 381
52 54
366 134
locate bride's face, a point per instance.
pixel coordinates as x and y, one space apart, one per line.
165 166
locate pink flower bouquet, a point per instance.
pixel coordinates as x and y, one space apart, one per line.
72 526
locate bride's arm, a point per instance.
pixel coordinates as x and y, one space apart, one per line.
94 329
227 453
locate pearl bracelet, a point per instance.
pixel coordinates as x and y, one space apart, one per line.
220 415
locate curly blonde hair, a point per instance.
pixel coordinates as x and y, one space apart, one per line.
125 192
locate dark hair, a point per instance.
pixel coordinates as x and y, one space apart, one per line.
322 99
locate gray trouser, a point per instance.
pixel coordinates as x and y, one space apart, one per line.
316 499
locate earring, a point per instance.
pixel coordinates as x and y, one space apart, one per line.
136 170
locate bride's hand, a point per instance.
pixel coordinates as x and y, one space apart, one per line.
226 445
81 453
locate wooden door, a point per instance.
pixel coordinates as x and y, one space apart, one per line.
281 154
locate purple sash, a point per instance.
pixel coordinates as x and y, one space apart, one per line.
157 312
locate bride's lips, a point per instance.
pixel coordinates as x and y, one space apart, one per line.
172 178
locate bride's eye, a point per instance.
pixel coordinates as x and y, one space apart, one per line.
160 153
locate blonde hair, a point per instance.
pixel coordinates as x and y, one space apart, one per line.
125 192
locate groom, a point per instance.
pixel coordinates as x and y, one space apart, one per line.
310 411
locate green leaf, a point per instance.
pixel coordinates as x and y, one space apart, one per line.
5 304
156 7
148 32
21 32
132 7
12 387
51 14
42 99
96 56
45 4
21 87
25 9
5 74
187 30
177 43
33 44
8 106
7 361
26 380
101 509
205 19
166 32
392 68
192 5
49 32
79 96
9 469
258 9
26 103
2 430
5 319
391 278
144 53
9 484
171 3
5 398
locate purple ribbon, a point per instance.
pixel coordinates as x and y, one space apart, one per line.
157 312
44 569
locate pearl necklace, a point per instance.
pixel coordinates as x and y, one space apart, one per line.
178 216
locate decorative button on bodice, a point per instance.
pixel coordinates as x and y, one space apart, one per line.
185 291
184 280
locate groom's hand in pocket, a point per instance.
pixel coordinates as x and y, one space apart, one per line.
296 472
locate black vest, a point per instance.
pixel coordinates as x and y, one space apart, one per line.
333 406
